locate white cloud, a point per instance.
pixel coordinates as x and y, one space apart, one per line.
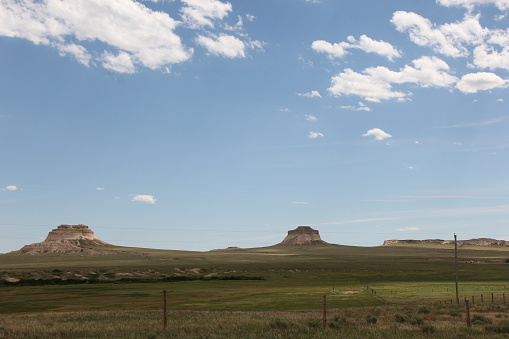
285 109
132 33
368 45
490 58
202 13
501 4
377 133
314 135
375 84
311 118
100 189
121 63
336 50
223 45
408 229
12 188
482 81
448 39
312 94
300 202
361 107
149 199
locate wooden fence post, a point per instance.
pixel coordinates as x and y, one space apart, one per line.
473 300
324 312
503 295
467 313
165 314
492 298
482 299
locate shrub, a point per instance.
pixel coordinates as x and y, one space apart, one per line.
503 327
428 329
507 261
455 313
401 318
278 323
341 319
416 321
371 319
424 310
313 323
480 320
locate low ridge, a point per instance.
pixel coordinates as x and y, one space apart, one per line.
472 242
66 239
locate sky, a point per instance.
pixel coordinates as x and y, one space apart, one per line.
205 124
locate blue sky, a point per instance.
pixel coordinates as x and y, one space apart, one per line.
202 124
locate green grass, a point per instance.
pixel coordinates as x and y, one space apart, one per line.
406 279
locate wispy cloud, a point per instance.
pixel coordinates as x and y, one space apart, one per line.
408 229
355 221
300 202
312 94
478 123
314 135
11 188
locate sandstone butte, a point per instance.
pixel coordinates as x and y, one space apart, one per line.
65 238
302 235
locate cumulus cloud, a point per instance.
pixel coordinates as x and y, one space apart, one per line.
311 118
449 39
132 33
375 83
100 189
149 199
482 81
312 94
368 45
200 13
223 45
501 4
315 135
377 133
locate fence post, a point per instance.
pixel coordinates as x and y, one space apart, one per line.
473 300
165 314
503 295
492 298
468 313
482 299
324 311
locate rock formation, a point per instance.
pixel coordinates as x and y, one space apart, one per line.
302 235
65 238
472 242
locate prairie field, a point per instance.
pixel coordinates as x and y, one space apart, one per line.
273 292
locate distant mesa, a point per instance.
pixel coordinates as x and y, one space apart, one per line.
65 239
302 235
471 242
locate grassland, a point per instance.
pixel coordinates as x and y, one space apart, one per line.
125 286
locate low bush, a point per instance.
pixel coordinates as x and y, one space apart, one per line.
371 319
424 310
278 323
428 329
502 327
313 323
480 320
416 321
401 318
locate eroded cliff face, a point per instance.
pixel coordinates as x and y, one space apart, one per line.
65 239
471 242
302 235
